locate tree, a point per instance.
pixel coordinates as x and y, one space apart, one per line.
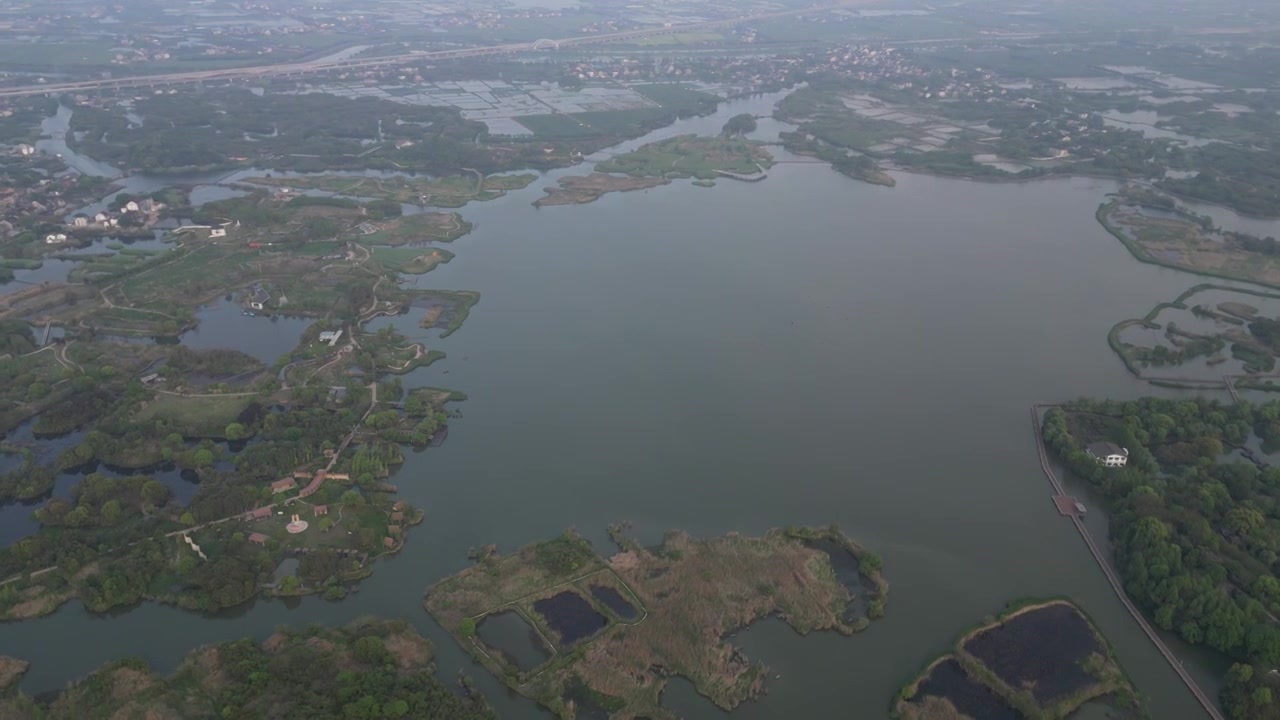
466 627
370 649
202 457
187 519
740 124
235 431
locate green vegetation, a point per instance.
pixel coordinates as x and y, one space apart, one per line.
370 670
449 191
1158 231
605 128
687 156
312 131
1195 535
578 190
668 607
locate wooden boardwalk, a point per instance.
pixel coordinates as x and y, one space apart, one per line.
1112 578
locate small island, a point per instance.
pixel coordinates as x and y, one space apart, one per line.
370 669
694 156
582 189
581 634
447 191
1037 660
1215 335
1158 230
11 671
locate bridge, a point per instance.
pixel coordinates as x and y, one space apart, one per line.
302 68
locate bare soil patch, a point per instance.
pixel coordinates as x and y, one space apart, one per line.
11 669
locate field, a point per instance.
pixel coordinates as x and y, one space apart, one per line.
1042 660
413 229
202 416
689 38
578 190
611 632
691 156
413 261
451 191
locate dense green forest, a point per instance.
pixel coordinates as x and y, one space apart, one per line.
1194 523
370 670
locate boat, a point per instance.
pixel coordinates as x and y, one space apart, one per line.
1080 508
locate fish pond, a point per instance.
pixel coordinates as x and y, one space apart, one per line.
571 616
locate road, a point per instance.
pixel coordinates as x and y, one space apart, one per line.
263 71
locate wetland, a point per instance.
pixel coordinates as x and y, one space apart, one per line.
838 461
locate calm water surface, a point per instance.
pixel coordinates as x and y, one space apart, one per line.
805 350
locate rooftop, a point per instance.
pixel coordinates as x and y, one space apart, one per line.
1103 448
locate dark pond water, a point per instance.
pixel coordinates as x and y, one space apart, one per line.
509 634
223 325
846 568
1042 649
613 600
973 700
571 616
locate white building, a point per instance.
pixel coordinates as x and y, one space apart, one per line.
24 149
330 336
131 206
101 218
1108 454
80 221
54 239
217 232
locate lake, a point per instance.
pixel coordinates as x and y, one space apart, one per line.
804 350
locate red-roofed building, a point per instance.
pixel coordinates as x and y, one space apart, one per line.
322 509
393 530
398 506
397 517
314 485
262 512
388 542
284 485
258 538
301 475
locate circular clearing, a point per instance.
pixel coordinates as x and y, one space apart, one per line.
296 527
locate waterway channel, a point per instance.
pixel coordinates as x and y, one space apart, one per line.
804 350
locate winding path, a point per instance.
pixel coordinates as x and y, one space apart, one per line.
1112 578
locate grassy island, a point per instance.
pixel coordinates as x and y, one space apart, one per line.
579 190
1038 660
1212 334
692 156
448 191
11 670
604 627
1158 230
370 669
